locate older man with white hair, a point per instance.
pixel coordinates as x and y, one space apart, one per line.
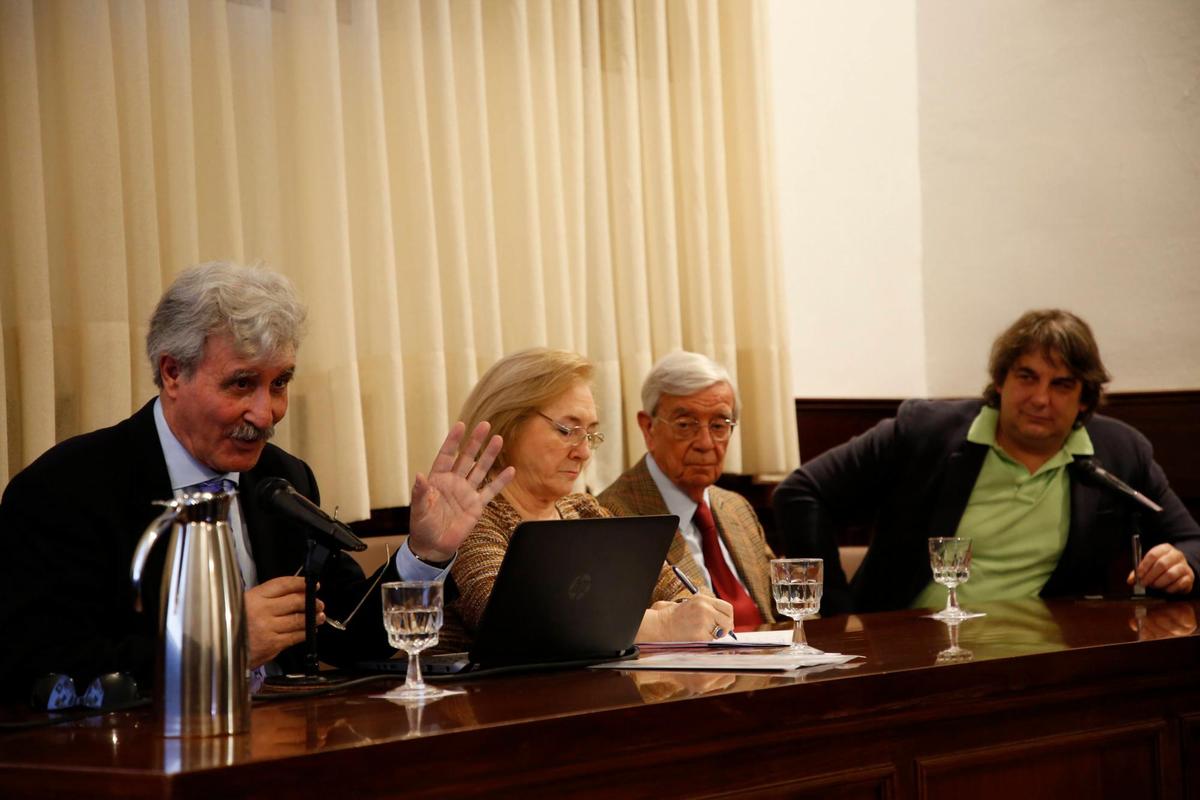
689 412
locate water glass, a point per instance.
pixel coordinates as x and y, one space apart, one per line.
950 560
796 586
412 616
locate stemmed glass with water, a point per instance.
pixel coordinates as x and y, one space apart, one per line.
950 560
796 585
412 616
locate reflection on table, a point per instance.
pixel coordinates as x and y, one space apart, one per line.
1079 690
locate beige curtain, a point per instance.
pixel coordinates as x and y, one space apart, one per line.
445 181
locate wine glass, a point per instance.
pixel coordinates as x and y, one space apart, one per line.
796 585
950 560
412 615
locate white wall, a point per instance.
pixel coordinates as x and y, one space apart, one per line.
1060 166
947 164
845 91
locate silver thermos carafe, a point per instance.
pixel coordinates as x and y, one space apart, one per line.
201 683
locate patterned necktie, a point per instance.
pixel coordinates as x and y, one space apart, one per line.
725 583
213 486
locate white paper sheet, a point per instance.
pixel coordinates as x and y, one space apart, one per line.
730 661
744 639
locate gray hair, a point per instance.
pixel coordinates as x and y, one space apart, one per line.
257 307
682 373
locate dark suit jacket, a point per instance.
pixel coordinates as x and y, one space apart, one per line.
912 476
69 524
634 493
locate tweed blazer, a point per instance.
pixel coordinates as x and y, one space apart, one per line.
634 493
483 550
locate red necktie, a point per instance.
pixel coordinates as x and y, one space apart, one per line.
725 583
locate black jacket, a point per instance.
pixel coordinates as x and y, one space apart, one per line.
911 477
68 527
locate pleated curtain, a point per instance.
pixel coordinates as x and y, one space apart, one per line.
445 181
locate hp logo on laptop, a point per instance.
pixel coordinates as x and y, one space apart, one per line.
580 586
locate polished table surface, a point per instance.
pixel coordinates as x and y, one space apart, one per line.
1074 696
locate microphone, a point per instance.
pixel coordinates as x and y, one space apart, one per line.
282 498
1091 470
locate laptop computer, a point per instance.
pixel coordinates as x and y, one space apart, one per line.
568 593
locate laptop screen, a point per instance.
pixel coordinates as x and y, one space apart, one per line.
573 589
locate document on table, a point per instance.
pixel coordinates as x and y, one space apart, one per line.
731 661
750 639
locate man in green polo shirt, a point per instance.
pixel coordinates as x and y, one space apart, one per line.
1003 472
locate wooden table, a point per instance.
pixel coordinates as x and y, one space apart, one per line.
1061 699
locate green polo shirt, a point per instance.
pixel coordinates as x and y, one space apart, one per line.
1017 522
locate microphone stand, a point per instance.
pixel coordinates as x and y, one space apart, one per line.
323 535
314 561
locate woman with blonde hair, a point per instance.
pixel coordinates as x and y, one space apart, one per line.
540 402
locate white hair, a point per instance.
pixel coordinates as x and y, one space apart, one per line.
682 373
257 307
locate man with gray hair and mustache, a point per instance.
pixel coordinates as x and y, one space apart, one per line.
222 344
689 412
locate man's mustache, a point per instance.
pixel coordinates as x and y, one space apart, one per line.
248 432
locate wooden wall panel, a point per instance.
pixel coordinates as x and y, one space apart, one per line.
1189 741
868 783
1121 762
1171 421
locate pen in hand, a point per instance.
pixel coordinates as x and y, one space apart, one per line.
691 587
